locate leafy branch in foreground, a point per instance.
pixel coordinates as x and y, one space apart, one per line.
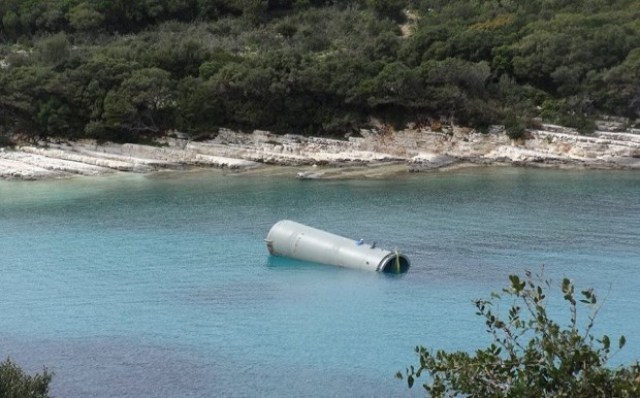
15 383
531 355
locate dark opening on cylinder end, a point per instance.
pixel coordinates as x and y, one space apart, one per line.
394 263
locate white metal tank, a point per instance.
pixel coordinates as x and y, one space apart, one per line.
295 240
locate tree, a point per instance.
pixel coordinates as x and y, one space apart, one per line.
11 23
323 66
617 88
532 355
392 9
15 383
21 92
143 104
84 17
54 50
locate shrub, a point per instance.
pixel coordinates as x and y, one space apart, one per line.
15 383
555 361
514 126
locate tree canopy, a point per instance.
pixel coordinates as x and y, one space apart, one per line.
130 69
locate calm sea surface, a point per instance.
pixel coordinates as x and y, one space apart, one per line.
160 286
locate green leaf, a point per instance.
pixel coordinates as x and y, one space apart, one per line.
566 286
534 346
515 282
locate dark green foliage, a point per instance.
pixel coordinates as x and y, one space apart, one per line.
392 9
142 104
85 17
514 125
53 50
532 355
617 90
15 383
573 112
90 68
6 141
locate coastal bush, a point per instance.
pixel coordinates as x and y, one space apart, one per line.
15 383
532 355
514 126
573 112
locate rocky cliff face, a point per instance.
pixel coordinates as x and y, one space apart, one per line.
414 149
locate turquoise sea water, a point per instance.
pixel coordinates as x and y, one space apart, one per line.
160 286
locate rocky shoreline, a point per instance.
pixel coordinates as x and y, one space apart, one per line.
373 154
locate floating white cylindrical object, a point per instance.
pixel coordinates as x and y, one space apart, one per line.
295 240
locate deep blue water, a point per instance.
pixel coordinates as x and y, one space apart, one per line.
160 286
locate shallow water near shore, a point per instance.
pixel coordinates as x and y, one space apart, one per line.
160 285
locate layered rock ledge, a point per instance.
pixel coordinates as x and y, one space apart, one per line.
373 153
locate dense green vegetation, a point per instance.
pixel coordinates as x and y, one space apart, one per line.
15 383
532 355
123 70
